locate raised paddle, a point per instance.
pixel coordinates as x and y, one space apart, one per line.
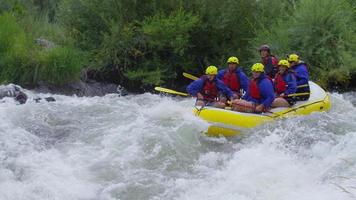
169 91
192 77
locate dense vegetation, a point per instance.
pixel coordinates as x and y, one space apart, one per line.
143 43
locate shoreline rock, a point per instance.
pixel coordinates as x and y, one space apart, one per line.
80 88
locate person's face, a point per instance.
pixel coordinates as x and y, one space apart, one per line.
256 74
292 63
264 53
232 66
211 77
282 69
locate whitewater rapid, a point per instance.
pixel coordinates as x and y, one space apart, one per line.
152 147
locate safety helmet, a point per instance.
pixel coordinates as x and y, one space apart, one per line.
258 67
233 60
293 58
284 63
211 70
265 47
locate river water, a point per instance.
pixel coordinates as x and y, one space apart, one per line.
152 147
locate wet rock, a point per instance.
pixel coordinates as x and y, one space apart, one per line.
81 88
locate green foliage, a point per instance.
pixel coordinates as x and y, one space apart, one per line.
22 61
168 41
169 32
151 51
322 32
14 49
142 43
59 65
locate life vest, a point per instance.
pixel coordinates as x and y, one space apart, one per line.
254 90
280 85
271 65
231 80
210 91
295 74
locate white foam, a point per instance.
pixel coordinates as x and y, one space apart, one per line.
151 147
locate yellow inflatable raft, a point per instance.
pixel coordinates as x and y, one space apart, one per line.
225 122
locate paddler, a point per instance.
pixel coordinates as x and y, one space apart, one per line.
234 77
300 69
261 93
284 84
269 61
208 88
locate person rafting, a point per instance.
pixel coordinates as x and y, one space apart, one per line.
234 78
207 89
269 61
284 84
302 75
261 93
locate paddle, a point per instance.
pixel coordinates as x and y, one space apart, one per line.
169 91
296 94
300 86
192 77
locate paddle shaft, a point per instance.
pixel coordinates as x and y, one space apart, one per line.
169 91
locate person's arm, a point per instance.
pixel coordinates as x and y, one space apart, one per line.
267 93
292 84
223 88
244 83
195 87
303 75
220 75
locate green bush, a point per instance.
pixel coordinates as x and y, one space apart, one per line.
142 43
149 52
14 49
24 62
322 32
59 65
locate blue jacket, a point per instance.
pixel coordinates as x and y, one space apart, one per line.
196 86
302 75
244 82
266 92
290 80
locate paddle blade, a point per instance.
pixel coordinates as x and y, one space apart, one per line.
192 77
169 91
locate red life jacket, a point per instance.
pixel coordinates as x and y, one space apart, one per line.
280 85
271 65
254 90
231 80
210 91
